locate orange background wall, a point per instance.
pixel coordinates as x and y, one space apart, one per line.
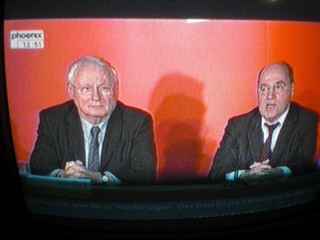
191 76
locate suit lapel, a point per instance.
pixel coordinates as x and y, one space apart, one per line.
285 134
255 137
112 136
75 136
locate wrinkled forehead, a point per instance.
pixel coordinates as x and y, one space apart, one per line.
94 72
274 73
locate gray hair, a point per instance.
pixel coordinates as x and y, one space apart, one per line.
111 71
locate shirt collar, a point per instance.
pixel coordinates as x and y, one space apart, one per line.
86 126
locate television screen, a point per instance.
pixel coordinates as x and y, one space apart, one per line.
192 69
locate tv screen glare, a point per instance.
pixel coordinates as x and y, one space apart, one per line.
192 66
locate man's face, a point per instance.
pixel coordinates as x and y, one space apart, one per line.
87 90
275 92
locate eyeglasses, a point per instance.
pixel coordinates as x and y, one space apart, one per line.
88 90
278 88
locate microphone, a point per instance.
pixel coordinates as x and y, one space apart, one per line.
236 179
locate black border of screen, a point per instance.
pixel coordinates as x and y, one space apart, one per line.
14 209
307 10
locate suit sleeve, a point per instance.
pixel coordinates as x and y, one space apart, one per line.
144 151
45 157
301 150
134 161
226 157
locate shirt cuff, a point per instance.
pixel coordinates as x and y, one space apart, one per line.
231 175
112 179
285 171
54 173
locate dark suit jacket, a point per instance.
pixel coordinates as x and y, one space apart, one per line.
128 148
243 139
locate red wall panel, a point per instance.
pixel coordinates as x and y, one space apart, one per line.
191 76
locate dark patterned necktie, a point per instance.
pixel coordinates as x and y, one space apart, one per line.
266 150
93 159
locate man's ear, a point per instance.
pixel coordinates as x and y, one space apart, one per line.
70 90
292 89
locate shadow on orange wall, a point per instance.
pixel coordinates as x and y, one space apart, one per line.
179 112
